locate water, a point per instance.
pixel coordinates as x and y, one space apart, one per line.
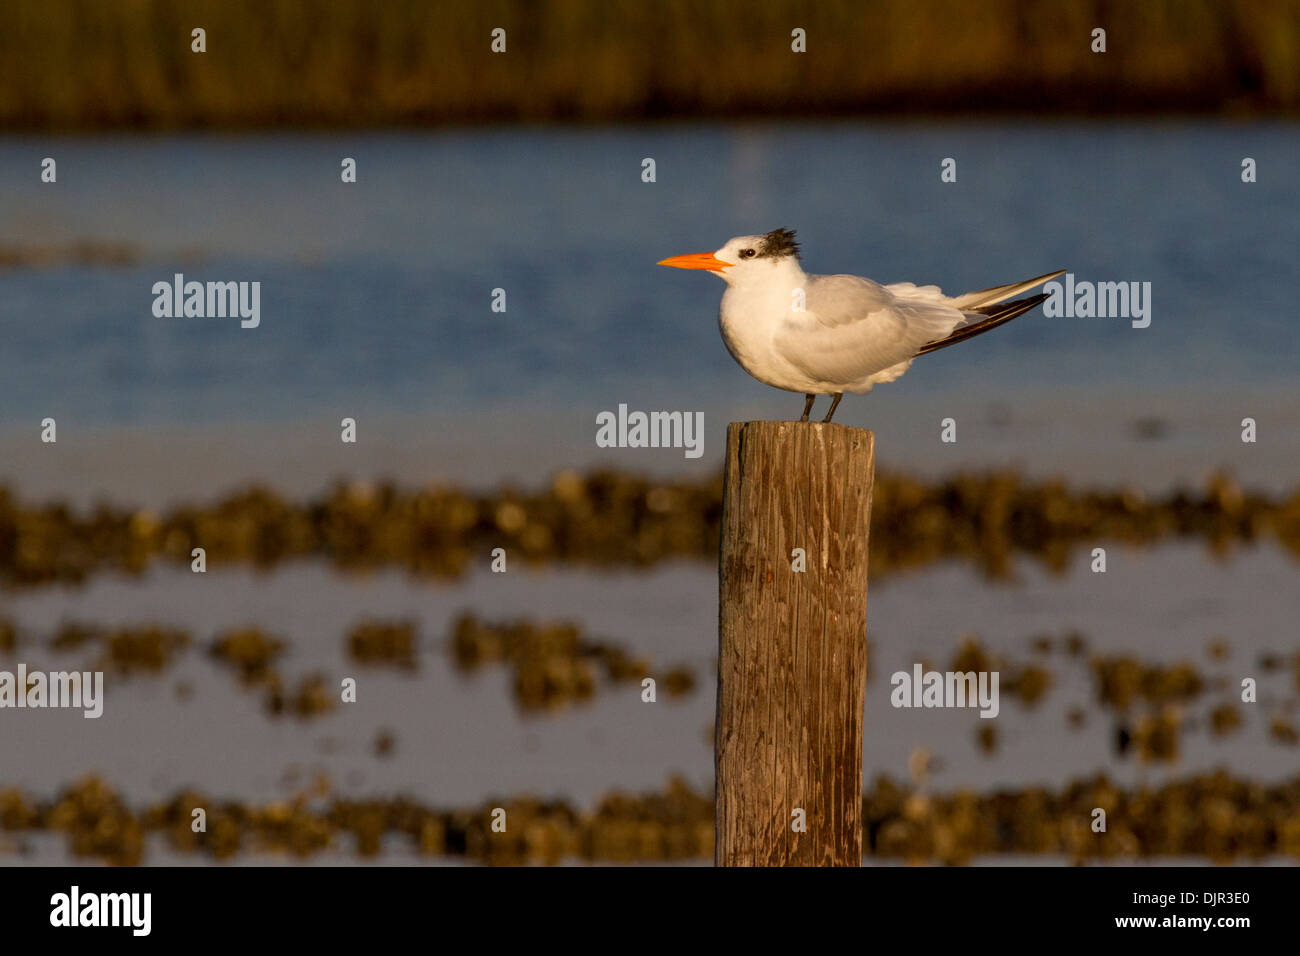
376 296
460 740
376 304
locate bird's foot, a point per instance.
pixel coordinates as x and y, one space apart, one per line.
807 405
834 405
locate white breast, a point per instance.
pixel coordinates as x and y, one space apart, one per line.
751 315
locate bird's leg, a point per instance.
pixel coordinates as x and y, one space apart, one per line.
834 404
807 405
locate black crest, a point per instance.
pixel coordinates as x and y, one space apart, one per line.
778 243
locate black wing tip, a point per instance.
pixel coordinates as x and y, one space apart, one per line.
1014 307
998 314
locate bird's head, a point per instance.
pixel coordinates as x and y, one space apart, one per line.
742 257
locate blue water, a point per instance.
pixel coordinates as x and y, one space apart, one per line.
376 300
377 295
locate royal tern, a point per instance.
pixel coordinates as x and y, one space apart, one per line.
827 335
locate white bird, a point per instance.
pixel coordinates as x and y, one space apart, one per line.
827 335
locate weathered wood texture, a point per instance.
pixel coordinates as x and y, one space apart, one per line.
792 645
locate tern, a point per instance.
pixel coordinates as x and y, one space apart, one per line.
827 335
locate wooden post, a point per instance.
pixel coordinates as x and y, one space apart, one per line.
792 644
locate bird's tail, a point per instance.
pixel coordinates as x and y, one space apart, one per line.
973 301
995 315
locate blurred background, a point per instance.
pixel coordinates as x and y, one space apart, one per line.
476 429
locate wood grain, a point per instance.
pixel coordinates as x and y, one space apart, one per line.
792 645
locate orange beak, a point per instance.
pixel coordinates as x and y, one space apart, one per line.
697 260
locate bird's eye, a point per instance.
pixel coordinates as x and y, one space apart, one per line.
747 253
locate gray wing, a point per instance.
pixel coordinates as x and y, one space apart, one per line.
853 328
